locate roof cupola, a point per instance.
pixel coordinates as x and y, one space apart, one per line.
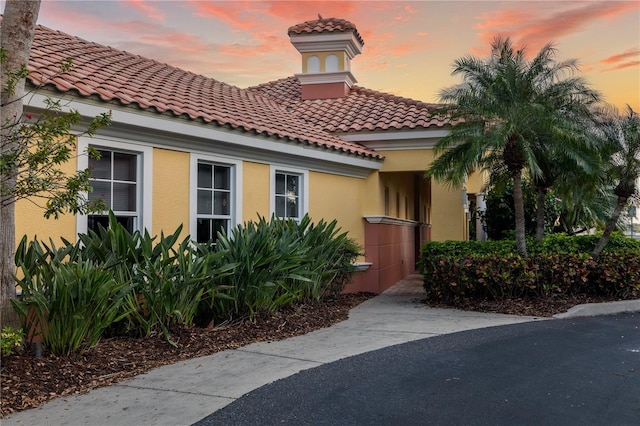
327 47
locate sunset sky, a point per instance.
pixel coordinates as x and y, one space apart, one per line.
409 46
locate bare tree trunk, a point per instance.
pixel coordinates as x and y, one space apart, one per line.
16 37
518 205
540 214
611 225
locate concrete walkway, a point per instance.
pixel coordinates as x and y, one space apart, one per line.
183 393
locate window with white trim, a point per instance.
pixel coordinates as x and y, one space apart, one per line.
289 193
214 200
115 179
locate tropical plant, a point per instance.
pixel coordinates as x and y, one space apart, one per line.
621 134
505 109
280 262
69 304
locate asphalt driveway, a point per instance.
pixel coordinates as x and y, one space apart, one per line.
580 371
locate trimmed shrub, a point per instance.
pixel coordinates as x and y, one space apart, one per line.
454 271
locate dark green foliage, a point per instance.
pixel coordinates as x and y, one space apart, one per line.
454 271
499 216
282 261
74 301
113 282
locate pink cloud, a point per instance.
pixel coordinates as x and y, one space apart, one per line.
534 31
150 11
300 11
620 56
232 13
625 65
180 42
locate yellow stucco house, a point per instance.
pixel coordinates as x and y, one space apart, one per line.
188 149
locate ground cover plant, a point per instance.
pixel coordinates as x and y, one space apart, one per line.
558 266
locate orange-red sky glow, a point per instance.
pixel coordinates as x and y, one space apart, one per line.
409 46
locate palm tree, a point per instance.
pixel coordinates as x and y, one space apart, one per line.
622 134
503 111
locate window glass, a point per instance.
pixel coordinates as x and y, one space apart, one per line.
124 167
124 197
205 175
280 207
207 229
205 201
114 179
313 64
101 191
101 167
214 200
332 63
287 196
222 177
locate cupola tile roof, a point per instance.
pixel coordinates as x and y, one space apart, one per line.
117 76
325 25
360 110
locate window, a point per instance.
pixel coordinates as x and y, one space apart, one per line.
214 201
289 193
313 65
332 63
386 201
115 181
122 179
215 205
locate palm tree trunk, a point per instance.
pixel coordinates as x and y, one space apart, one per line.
542 196
518 205
611 225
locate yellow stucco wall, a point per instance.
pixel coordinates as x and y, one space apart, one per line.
407 160
30 219
445 212
255 197
401 195
448 219
341 198
322 56
170 191
374 201
476 182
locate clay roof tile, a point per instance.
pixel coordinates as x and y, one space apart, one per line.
362 108
116 75
324 25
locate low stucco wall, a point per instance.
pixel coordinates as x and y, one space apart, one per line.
390 248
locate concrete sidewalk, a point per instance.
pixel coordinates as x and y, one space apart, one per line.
183 393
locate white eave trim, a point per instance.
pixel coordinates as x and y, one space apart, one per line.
174 132
347 41
397 140
388 220
327 77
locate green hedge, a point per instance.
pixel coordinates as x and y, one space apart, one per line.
455 271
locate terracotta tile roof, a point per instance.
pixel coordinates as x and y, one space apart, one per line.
361 110
325 25
117 76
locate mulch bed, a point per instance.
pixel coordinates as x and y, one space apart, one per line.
28 382
536 307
